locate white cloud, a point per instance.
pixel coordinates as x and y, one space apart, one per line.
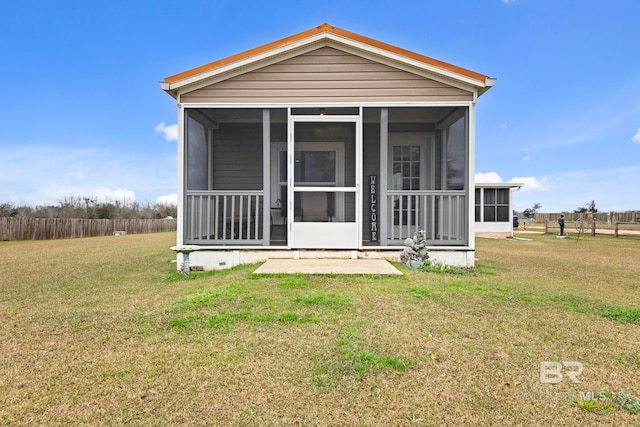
636 137
526 158
168 199
487 178
531 183
170 131
504 125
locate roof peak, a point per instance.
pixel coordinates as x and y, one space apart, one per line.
333 33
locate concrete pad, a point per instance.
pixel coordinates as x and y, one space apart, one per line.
327 266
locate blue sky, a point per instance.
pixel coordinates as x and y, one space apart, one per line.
82 113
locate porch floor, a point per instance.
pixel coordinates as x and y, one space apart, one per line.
327 266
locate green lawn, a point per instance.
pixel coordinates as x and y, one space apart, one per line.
102 331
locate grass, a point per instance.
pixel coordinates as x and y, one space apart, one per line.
102 331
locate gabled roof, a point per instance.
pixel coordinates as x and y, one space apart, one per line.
327 33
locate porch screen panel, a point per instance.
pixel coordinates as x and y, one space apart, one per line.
225 203
456 155
427 164
324 206
197 154
324 157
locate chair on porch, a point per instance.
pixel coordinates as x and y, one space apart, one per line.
298 211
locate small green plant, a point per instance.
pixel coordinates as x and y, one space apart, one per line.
594 406
437 267
628 403
609 401
415 420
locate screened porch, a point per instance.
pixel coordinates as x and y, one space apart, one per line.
238 161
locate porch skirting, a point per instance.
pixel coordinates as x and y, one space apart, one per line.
219 259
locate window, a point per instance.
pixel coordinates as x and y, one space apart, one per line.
496 205
406 167
315 167
408 171
312 167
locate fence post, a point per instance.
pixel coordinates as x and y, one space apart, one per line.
593 227
616 229
546 226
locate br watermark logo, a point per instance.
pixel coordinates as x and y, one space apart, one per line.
552 372
555 372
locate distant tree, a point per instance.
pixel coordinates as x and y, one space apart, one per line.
7 210
24 211
106 211
166 210
47 211
89 207
532 211
588 208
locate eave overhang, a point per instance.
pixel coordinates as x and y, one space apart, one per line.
512 185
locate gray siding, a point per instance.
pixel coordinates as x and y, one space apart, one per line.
237 157
438 154
326 75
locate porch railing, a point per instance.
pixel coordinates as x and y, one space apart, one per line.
224 217
441 214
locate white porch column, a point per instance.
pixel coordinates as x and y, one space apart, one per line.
382 183
471 182
180 221
266 176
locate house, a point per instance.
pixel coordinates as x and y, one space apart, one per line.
494 209
325 144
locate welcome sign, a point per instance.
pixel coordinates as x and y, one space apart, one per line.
373 206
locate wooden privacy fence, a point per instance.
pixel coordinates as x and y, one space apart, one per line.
67 228
600 217
618 229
